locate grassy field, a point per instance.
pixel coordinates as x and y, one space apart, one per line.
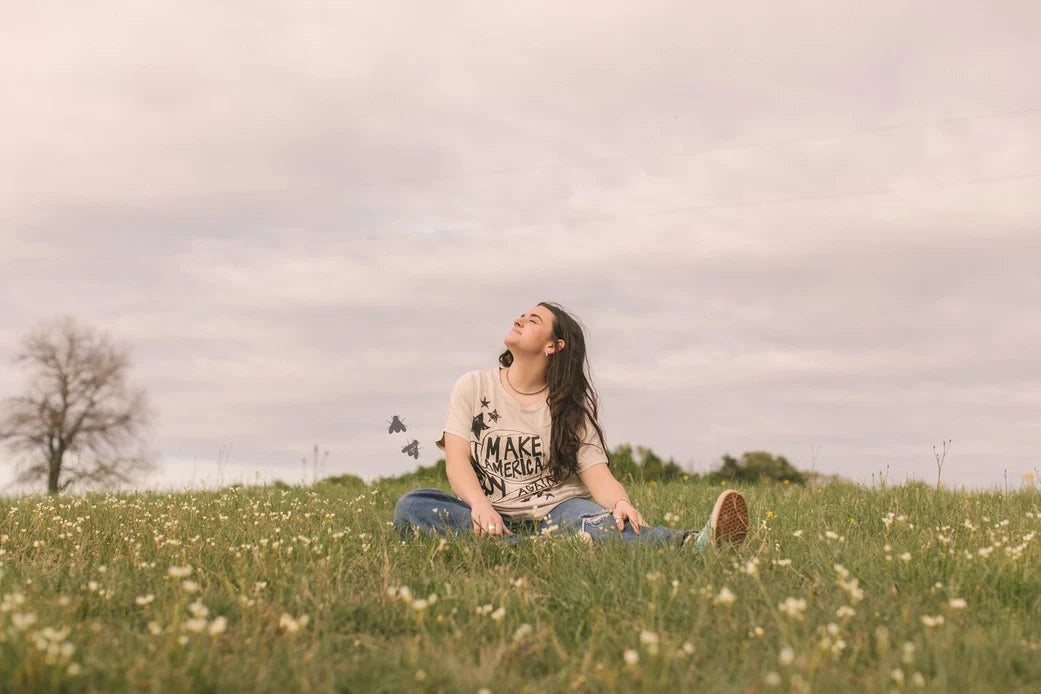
838 588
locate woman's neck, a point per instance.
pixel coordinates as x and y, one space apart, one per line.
526 377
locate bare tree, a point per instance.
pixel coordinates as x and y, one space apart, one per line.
79 417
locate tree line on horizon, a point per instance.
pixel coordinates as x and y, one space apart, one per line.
645 467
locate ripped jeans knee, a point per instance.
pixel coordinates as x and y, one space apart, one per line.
597 521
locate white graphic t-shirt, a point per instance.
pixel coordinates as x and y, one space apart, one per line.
510 447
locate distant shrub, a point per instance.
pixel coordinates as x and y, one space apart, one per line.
431 474
344 480
649 467
757 466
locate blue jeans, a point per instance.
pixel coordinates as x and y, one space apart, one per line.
433 511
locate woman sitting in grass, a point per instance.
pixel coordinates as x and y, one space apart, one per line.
521 454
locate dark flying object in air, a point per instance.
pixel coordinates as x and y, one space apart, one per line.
412 449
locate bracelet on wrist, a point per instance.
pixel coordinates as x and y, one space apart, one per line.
622 499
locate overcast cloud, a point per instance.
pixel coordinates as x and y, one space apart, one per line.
810 228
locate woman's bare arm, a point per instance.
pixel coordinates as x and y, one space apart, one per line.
606 490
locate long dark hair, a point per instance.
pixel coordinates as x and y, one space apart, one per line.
572 397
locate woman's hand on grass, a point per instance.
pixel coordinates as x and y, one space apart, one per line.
623 510
487 521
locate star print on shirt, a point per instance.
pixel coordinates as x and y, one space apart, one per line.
478 425
484 403
494 415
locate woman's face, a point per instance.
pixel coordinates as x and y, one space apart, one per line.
532 331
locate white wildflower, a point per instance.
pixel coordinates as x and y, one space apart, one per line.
198 609
793 607
196 625
292 625
648 637
522 631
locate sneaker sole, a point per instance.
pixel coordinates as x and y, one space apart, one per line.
730 519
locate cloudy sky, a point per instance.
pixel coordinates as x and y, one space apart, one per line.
811 228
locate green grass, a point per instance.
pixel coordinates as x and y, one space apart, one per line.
73 568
